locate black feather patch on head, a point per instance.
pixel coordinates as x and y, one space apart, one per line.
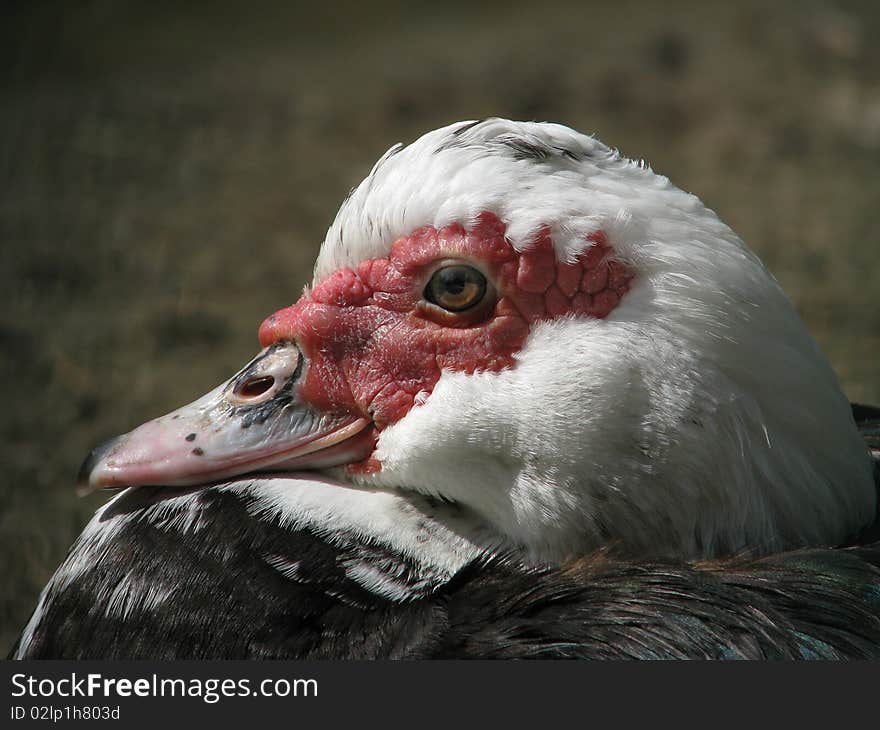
520 148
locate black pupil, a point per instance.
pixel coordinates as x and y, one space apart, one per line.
456 288
454 280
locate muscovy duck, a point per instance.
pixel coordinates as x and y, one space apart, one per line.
538 402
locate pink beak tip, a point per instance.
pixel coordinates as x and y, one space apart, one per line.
85 483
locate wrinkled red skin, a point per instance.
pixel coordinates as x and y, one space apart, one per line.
374 345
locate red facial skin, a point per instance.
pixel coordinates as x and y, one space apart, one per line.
374 344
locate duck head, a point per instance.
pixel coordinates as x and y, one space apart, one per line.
514 318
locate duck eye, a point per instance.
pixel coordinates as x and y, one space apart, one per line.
456 288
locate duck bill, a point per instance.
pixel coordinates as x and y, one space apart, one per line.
254 422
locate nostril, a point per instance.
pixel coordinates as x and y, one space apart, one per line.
255 387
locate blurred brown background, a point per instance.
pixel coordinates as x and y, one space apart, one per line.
167 172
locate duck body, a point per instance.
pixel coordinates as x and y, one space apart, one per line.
250 571
537 402
277 593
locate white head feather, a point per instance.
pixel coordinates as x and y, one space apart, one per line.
698 418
